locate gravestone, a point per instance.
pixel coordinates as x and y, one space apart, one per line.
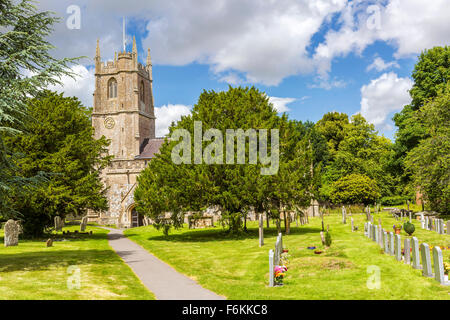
271 268
426 260
391 243
49 243
380 236
353 225
410 217
398 248
422 223
12 229
58 224
261 230
369 230
322 237
448 227
437 223
439 266
83 224
415 253
427 224
441 226
386 243
344 215
366 232
375 233
407 247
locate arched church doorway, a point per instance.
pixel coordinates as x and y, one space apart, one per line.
137 219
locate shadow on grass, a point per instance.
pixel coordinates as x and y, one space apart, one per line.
32 261
219 234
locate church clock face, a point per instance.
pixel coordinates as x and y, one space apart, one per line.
109 123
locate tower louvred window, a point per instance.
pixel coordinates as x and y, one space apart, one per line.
112 88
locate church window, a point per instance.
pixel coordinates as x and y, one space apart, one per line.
141 91
112 88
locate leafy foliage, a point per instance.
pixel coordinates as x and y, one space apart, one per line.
26 68
59 141
354 188
409 228
165 187
429 162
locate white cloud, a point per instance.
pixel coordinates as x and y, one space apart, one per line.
82 86
411 26
166 114
383 96
280 104
380 65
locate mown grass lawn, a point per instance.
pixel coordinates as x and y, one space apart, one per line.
238 269
33 271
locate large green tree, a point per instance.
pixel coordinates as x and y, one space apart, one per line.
431 74
58 140
26 68
429 162
167 187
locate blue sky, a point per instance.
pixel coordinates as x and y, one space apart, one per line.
310 57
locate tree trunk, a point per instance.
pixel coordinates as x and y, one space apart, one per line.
267 219
277 221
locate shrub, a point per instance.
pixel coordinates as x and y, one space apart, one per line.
394 200
409 228
355 188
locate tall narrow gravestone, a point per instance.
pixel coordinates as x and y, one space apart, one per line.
276 259
441 228
261 230
407 249
391 243
415 253
344 215
427 224
439 266
271 268
369 230
58 223
426 260
437 223
380 236
386 243
353 224
83 224
448 227
422 222
398 248
410 217
375 233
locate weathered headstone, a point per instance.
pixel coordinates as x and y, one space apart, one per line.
353 224
276 258
407 248
439 266
415 253
386 243
380 237
398 248
375 233
261 230
426 260
422 223
427 224
271 268
12 229
391 243
369 230
441 227
58 223
410 217
83 224
366 232
322 237
49 242
448 227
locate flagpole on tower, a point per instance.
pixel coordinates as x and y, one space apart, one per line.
124 36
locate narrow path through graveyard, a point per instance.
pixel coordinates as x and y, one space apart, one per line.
156 275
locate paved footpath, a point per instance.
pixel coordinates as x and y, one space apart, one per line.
156 275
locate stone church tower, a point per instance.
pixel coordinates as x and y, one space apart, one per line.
124 113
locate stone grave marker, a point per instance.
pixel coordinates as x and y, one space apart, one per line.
398 248
439 266
12 229
380 236
83 224
415 253
49 243
422 223
410 216
353 224
426 260
441 227
375 233
271 268
386 243
448 227
261 230
369 230
58 223
344 215
407 248
391 243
